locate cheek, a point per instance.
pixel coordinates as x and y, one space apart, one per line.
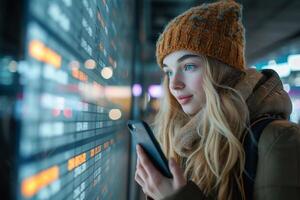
197 84
171 93
198 90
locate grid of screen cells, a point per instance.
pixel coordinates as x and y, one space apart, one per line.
72 142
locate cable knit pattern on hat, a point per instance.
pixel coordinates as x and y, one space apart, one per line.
213 30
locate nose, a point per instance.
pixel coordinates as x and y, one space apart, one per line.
176 82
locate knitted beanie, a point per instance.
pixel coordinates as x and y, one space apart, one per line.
213 30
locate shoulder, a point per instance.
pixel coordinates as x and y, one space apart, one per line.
278 166
279 156
279 132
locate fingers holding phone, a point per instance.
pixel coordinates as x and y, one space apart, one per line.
149 178
147 169
154 174
179 180
153 183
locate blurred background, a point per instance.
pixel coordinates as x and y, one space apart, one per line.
73 72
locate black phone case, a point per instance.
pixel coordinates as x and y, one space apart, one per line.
144 136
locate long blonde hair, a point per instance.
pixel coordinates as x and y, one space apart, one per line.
217 162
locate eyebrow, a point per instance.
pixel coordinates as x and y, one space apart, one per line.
182 58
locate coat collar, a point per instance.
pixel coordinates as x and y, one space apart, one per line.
264 94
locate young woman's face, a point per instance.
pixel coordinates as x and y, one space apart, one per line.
185 70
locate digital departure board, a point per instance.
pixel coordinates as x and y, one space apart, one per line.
71 101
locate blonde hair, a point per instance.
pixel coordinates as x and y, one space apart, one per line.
217 162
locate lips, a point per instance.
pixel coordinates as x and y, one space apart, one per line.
184 99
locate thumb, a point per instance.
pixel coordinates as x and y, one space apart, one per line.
177 173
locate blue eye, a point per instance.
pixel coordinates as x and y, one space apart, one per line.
189 67
168 73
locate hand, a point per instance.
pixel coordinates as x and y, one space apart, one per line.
153 183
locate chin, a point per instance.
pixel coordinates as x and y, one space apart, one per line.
190 110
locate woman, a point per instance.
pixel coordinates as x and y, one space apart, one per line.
210 100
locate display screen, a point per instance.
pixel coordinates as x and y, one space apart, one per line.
71 140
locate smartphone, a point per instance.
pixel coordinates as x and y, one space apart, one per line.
143 135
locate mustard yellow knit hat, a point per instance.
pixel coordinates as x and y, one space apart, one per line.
213 30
